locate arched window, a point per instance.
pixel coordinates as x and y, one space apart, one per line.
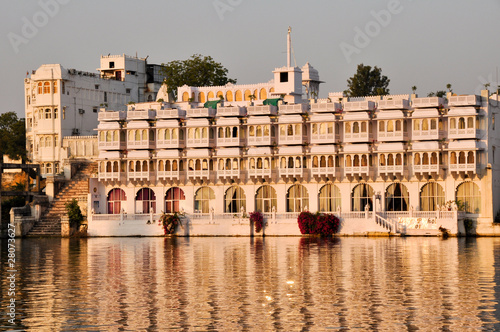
203 199
173 198
453 123
145 201
229 96
297 198
348 127
46 87
329 198
397 197
55 86
470 158
381 127
398 125
238 96
470 122
355 128
201 97
235 199
362 195
416 124
247 95
469 196
263 94
185 96
220 95
265 199
115 198
431 196
390 126
461 123
40 88
210 95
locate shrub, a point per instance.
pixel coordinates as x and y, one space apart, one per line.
74 213
258 220
170 222
320 223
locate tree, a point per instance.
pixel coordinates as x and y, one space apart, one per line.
367 81
439 93
198 70
74 213
12 136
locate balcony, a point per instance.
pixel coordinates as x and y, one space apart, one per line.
262 110
428 168
262 140
111 176
170 144
356 170
229 141
111 116
171 113
391 169
143 144
323 171
198 174
325 107
141 115
292 139
169 175
467 133
470 100
229 173
396 104
294 109
463 168
291 172
201 112
391 136
428 102
232 111
115 145
323 138
200 142
141 176
420 135
357 137
359 106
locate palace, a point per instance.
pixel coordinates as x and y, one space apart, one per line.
395 163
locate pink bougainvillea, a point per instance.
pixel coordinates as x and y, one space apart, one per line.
258 220
320 223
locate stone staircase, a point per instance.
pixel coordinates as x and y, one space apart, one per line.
50 223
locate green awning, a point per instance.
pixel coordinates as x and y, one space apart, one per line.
211 104
273 101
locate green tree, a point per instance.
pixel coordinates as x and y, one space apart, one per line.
74 213
439 93
367 81
12 136
198 70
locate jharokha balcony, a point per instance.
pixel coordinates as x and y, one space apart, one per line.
356 164
291 166
229 168
463 161
260 167
425 162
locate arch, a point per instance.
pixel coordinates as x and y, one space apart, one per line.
238 96
185 96
470 122
201 97
210 95
46 87
145 201
220 95
397 197
234 200
348 127
468 196
470 158
266 199
390 126
355 127
173 198
247 95
329 198
362 195
262 94
297 198
203 200
453 123
416 124
461 123
114 200
229 96
381 126
431 196
40 88
425 124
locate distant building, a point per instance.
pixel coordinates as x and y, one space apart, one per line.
63 103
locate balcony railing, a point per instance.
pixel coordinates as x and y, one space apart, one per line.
168 175
116 145
359 106
326 171
325 107
357 137
200 112
262 110
232 111
393 104
463 168
256 172
144 144
200 174
141 176
470 100
231 141
294 109
111 116
263 140
111 176
323 138
171 113
297 172
141 115
357 170
391 136
294 139
228 173
427 102
200 142
463 133
425 134
170 144
395 169
433 168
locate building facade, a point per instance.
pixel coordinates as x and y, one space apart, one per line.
62 103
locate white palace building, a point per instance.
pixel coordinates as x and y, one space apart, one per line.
395 163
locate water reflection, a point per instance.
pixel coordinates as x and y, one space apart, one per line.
233 284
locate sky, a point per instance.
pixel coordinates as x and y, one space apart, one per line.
422 43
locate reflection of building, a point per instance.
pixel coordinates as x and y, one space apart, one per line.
412 155
62 105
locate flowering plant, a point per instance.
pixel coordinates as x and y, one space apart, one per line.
169 222
258 220
324 224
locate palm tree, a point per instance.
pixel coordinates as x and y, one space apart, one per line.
448 86
414 89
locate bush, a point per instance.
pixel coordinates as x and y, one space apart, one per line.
258 220
74 213
170 222
320 223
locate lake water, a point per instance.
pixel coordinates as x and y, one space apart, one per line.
245 284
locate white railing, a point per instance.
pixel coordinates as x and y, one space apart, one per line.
111 176
144 144
291 172
287 215
470 100
111 116
462 167
391 226
356 215
200 112
229 141
356 137
141 115
116 145
260 172
322 138
393 104
198 173
264 140
145 176
426 168
323 171
293 109
463 133
171 113
232 111
325 107
428 102
169 144
391 169
262 110
355 170
359 105
168 174
425 134
200 142
396 135
228 173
